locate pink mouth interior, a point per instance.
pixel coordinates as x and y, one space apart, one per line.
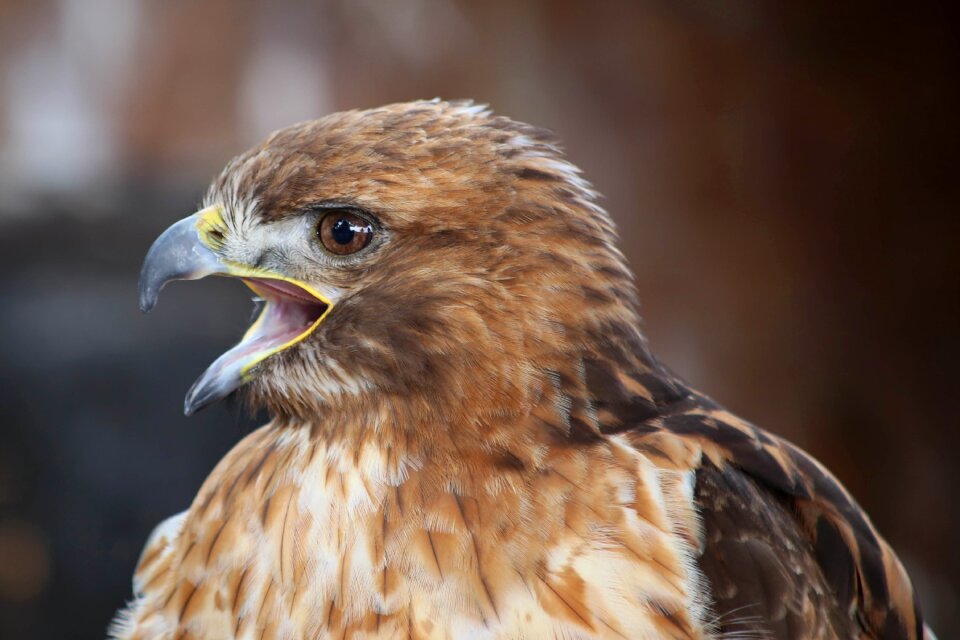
290 311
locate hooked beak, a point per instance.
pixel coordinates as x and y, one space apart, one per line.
293 309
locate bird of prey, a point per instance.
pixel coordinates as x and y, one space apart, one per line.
469 436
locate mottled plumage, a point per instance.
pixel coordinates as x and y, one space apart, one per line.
474 439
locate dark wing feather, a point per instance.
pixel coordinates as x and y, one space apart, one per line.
806 554
764 580
788 552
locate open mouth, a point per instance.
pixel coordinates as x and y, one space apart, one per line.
292 310
290 313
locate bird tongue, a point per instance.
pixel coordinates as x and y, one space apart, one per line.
289 315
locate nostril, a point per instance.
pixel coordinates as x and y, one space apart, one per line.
215 237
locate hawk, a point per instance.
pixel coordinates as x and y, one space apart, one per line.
469 435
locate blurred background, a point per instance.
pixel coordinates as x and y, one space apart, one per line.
783 175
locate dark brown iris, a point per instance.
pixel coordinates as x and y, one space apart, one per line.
343 233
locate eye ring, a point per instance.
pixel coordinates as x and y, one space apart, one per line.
343 232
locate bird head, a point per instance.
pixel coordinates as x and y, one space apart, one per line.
425 250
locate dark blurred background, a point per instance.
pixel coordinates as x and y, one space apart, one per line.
783 175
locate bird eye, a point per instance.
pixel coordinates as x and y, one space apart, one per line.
343 233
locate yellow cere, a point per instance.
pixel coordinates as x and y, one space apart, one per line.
211 228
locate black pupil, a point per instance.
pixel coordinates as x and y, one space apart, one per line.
343 231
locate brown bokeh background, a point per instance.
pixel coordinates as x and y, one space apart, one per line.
782 175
